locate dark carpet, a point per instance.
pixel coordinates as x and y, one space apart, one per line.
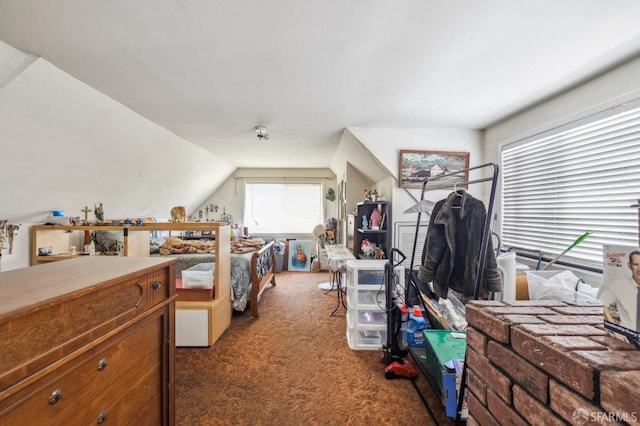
293 366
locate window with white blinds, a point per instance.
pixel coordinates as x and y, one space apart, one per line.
283 208
585 178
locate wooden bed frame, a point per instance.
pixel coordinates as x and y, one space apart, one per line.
262 264
263 271
136 243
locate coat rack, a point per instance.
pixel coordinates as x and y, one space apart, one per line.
435 183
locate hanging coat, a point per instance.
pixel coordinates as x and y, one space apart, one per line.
451 254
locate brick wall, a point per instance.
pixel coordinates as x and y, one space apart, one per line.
543 362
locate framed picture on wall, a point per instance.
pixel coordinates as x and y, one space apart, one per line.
300 255
416 166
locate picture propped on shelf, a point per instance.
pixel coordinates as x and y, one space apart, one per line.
300 252
416 166
620 290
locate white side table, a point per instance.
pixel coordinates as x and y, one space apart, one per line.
338 256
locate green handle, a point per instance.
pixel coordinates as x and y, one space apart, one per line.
578 240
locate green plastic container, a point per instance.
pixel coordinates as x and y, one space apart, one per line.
441 346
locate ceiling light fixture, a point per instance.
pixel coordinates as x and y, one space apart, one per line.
262 134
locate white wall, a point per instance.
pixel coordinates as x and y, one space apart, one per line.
386 144
66 146
608 90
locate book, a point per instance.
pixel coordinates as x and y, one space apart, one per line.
620 291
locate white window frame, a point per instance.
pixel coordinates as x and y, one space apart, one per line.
582 176
294 206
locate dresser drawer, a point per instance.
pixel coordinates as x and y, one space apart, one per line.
56 331
156 287
111 379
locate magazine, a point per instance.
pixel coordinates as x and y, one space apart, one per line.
620 290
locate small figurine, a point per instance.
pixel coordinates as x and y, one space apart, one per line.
178 214
365 222
378 253
99 212
367 194
86 211
12 231
375 219
367 247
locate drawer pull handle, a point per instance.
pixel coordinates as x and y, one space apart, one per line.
55 396
102 364
156 284
101 417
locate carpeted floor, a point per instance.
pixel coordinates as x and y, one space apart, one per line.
293 366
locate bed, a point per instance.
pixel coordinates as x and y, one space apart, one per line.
252 265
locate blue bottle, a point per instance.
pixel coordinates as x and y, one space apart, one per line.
415 325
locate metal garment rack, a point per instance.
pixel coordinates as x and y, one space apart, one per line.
431 184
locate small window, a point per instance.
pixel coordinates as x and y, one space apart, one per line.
584 177
283 208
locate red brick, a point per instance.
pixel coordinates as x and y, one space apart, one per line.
504 413
580 310
476 385
492 376
573 319
489 324
573 343
581 303
532 410
614 384
611 360
522 319
482 304
564 402
472 422
578 375
563 330
519 310
520 371
477 341
613 343
479 412
547 303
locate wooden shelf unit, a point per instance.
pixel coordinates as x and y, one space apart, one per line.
136 244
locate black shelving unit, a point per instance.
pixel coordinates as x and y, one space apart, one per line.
380 237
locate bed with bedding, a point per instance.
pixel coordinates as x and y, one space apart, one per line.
252 265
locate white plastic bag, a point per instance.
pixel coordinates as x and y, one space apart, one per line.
565 286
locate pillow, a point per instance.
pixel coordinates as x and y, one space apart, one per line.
154 245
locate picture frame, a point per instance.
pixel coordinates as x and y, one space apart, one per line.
416 166
299 255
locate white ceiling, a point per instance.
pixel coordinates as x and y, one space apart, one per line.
210 70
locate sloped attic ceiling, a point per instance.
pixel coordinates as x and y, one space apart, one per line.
210 70
66 146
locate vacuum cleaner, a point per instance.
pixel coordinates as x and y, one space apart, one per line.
395 351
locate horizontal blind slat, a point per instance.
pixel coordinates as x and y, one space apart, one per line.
559 186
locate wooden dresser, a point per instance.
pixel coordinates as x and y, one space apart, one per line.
88 341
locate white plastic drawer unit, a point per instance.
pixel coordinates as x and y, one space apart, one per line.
366 316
